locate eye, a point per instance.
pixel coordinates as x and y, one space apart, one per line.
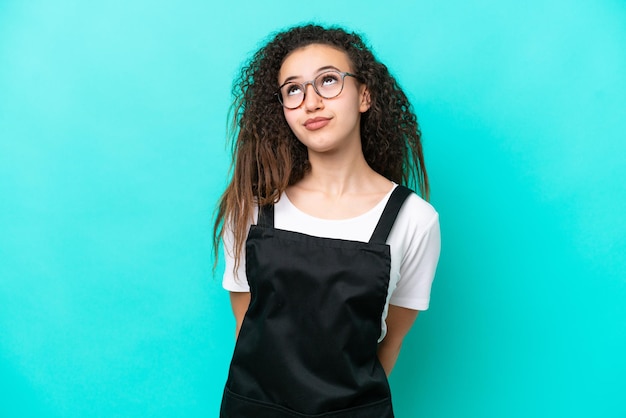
292 89
329 79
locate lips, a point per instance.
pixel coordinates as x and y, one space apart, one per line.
316 123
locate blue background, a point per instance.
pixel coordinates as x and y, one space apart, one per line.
112 157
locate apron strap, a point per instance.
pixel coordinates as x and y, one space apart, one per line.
266 216
385 223
387 219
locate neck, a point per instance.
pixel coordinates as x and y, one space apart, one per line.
338 174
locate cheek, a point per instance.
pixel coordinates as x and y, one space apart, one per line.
290 118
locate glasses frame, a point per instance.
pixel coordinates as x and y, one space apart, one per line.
343 75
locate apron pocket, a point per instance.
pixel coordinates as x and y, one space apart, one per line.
237 406
378 409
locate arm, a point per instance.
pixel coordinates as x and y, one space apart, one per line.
399 322
239 302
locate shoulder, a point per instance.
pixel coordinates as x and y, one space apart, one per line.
416 225
417 212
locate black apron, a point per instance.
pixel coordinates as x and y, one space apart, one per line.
307 345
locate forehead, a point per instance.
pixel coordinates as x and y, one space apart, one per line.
304 62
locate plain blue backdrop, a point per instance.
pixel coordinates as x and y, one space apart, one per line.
112 157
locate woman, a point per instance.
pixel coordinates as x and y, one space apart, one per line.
329 257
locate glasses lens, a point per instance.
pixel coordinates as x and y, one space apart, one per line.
291 95
329 84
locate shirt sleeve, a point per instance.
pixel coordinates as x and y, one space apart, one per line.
234 281
418 267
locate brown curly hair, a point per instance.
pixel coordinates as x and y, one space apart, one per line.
267 156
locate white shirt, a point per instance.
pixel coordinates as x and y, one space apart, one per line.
414 241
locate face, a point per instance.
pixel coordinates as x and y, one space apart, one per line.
324 125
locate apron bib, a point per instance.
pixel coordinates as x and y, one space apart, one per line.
307 345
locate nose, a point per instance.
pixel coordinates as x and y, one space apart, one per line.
312 100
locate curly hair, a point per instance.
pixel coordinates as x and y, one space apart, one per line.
267 157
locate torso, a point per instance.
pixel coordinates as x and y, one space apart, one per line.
415 224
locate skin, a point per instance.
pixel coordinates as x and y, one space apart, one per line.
340 184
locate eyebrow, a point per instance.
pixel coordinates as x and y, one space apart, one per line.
319 70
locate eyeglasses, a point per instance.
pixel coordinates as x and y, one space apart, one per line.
327 85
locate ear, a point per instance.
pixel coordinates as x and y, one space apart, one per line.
366 99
